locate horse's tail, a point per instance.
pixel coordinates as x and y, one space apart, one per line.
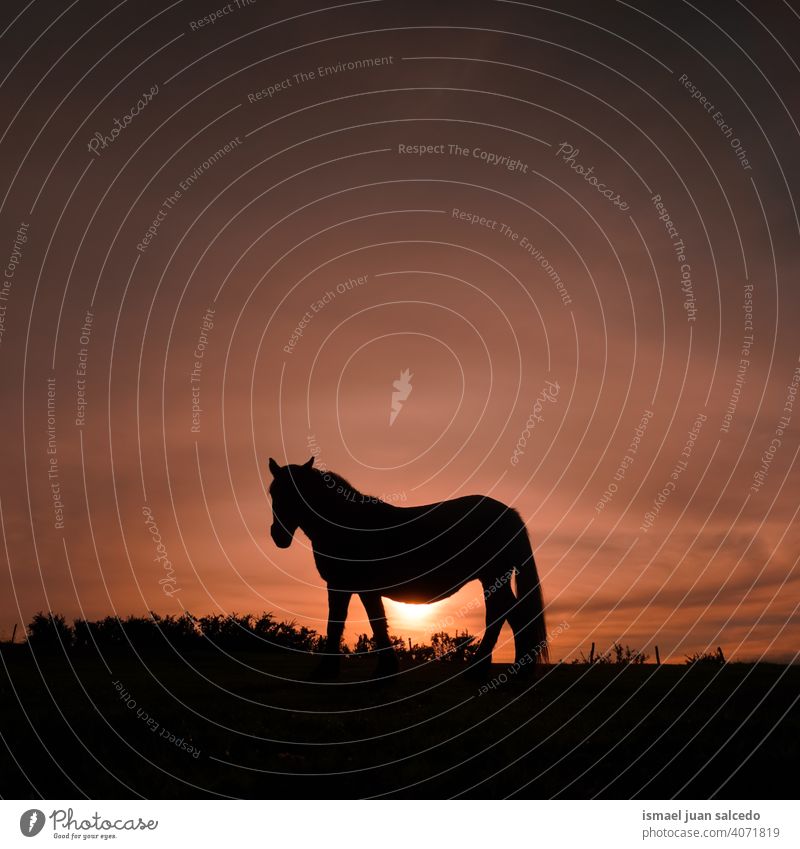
530 611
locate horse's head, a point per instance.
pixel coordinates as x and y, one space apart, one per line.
288 503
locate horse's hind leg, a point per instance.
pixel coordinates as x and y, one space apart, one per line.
499 601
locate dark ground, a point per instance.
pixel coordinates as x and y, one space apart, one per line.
262 732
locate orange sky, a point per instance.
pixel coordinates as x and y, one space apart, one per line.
456 261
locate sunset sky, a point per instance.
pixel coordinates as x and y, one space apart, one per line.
305 201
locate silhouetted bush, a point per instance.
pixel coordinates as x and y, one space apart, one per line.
233 632
230 632
49 632
458 649
141 633
443 647
365 645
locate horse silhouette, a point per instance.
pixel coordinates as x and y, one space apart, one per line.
366 547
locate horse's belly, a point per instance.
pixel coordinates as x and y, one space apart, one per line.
422 592
391 564
417 581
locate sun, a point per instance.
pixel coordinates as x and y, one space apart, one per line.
410 614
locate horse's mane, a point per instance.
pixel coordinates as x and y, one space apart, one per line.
344 490
339 480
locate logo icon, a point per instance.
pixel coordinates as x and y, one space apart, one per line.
402 389
31 822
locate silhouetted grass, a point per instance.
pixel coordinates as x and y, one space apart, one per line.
707 658
203 721
617 654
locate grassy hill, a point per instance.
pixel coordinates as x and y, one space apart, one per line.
249 724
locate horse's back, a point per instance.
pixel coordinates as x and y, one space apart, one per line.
477 507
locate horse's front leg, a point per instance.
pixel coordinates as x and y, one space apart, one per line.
387 659
338 602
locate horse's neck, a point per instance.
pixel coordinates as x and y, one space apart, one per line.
331 511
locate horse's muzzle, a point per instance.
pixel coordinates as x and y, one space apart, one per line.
280 537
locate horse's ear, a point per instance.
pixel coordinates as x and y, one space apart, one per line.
309 463
273 467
